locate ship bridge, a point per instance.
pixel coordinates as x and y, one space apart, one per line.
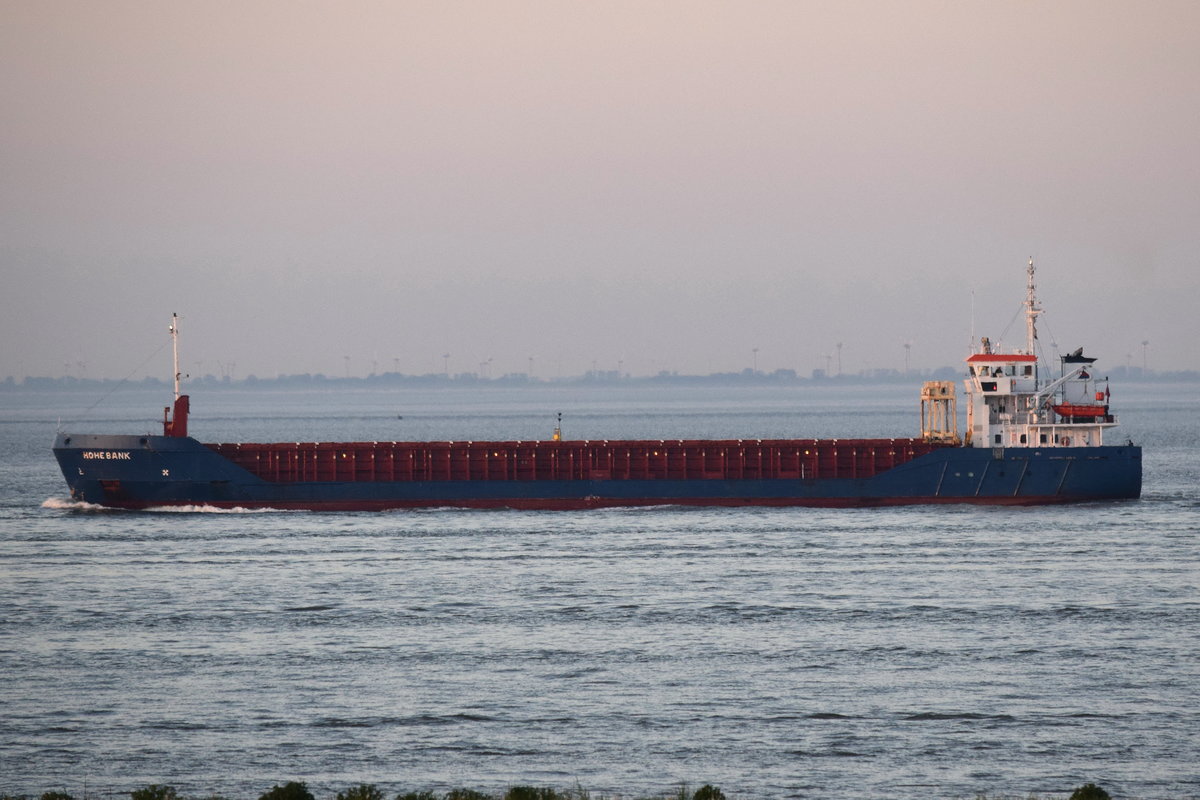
1010 403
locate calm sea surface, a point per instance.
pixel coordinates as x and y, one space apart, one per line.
900 653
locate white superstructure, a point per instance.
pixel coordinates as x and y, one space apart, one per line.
1010 404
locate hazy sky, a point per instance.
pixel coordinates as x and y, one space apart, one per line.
669 185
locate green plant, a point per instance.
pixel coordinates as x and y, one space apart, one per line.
55 796
154 791
1090 791
467 794
364 791
292 790
426 795
708 792
532 793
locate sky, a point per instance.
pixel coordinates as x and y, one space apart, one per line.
693 186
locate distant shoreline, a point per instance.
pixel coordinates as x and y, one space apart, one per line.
391 380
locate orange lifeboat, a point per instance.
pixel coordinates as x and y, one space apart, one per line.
1080 410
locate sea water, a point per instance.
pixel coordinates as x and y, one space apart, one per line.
904 652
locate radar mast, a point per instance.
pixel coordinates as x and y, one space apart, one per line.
1032 309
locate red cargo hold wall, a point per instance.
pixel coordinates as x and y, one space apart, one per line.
582 460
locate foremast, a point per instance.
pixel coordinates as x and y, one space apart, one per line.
175 422
1009 404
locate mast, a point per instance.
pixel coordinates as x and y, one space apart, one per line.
175 423
1031 313
174 329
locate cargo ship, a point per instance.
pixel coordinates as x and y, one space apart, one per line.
1031 438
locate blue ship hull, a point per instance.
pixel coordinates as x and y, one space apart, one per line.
136 472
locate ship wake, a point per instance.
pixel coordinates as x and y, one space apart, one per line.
67 504
207 509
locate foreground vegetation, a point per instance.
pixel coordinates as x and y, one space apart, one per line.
367 791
